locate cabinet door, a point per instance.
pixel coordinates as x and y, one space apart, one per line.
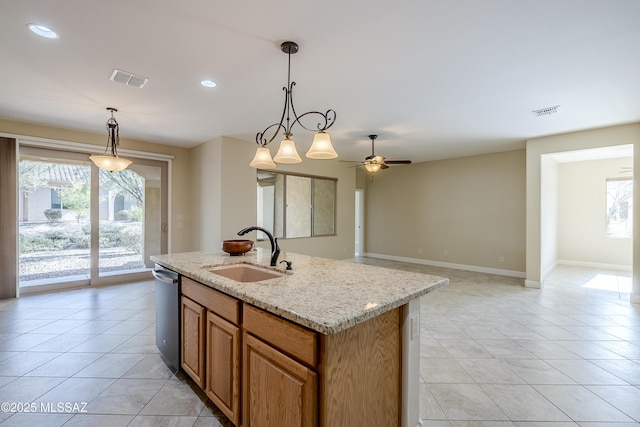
193 330
223 365
277 390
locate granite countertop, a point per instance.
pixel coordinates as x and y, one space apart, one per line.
325 295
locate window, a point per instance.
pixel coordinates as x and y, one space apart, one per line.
620 208
291 205
55 199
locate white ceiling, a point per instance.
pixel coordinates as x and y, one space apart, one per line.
434 78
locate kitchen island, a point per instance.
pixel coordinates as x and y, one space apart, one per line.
329 343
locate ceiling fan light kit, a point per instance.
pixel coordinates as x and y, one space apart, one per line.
374 163
321 148
372 166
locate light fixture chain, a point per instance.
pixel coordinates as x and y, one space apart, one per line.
328 118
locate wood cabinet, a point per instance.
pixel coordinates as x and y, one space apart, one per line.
193 334
280 382
211 344
277 390
222 384
264 371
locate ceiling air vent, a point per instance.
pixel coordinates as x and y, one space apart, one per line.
129 79
546 111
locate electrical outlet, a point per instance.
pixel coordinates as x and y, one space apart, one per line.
445 252
419 250
501 259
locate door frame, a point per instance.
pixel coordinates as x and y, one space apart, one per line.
359 225
79 150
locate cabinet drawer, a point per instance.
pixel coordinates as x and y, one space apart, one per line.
297 341
223 305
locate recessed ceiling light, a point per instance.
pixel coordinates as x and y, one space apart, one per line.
208 83
43 31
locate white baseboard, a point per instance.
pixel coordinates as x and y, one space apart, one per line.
497 271
533 284
603 266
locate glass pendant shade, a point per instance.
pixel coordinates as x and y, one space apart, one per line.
372 167
321 148
262 159
287 152
110 163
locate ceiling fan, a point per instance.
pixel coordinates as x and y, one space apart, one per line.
374 163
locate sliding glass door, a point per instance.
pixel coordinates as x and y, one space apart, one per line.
130 226
82 225
54 222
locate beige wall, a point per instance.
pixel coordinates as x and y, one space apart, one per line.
224 198
467 211
180 199
582 205
204 211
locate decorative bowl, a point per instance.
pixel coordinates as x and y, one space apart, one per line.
237 247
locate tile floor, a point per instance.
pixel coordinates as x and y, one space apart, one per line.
494 354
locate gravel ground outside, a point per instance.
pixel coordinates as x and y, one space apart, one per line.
74 259
74 262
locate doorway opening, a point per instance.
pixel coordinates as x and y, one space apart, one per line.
586 219
359 225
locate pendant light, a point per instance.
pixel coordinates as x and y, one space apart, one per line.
262 159
287 152
111 162
321 148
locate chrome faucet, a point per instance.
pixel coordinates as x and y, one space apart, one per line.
275 249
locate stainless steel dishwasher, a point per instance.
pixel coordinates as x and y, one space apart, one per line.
168 315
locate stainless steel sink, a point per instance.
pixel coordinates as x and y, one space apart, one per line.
245 272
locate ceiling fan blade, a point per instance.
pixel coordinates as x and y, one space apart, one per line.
383 166
398 162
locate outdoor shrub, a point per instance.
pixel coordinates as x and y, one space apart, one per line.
123 215
131 238
110 234
108 227
53 215
37 243
136 213
110 240
55 234
79 242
